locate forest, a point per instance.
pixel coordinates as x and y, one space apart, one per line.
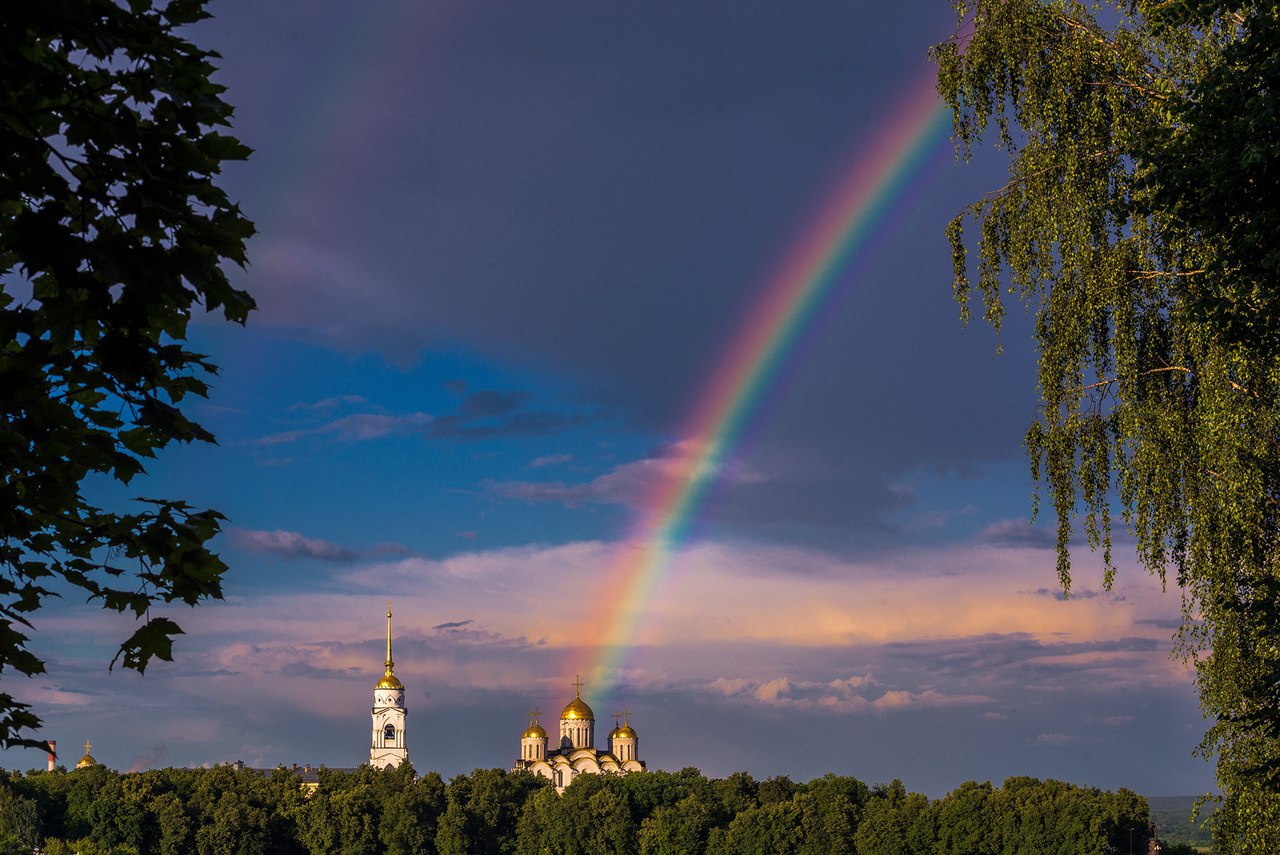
226 810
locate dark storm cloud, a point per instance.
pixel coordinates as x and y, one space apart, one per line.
604 193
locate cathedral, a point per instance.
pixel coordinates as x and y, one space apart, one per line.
577 754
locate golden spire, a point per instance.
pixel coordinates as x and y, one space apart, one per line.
389 680
390 662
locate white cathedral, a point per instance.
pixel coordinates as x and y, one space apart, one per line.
575 755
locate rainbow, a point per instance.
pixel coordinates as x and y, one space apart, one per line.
838 235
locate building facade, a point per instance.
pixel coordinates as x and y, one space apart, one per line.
576 753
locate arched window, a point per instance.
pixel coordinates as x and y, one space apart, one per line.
389 734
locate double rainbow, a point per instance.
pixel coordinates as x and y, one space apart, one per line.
843 230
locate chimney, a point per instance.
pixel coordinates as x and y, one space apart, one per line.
53 755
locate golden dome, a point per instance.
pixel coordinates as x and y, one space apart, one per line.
624 732
577 708
389 681
534 731
87 759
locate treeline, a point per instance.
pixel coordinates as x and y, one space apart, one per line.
225 811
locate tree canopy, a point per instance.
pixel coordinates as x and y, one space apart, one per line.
1139 225
112 232
235 811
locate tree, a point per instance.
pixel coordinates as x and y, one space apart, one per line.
19 822
482 811
409 818
887 822
1139 225
112 231
678 828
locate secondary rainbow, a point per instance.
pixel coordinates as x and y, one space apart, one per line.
842 230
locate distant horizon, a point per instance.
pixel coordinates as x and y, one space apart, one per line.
291 767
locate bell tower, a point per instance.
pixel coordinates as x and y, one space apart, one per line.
388 748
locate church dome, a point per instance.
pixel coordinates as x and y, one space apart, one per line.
87 759
577 708
389 681
624 732
534 731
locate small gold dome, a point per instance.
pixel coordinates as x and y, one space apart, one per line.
624 732
87 759
389 681
534 731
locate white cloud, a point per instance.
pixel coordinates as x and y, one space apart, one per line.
357 427
289 544
633 483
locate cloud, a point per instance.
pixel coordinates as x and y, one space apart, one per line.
1017 533
1116 720
549 460
490 403
330 403
456 624
358 427
630 483
1053 739
840 695
481 415
772 690
903 659
290 544
511 424
1080 594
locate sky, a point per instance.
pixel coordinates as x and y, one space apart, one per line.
507 255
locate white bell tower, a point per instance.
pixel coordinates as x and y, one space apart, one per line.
388 748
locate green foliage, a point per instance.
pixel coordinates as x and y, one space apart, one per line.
895 822
1139 225
482 811
224 810
112 231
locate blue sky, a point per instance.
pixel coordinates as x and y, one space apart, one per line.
501 245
